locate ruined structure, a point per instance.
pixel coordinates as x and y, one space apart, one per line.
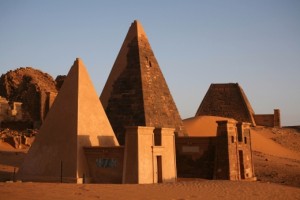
10 111
146 122
222 152
229 100
35 89
76 120
271 120
233 156
136 93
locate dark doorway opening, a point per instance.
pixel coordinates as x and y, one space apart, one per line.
159 169
242 168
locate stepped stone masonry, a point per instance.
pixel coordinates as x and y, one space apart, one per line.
136 93
229 100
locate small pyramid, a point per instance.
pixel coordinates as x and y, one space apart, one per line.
75 120
136 93
227 100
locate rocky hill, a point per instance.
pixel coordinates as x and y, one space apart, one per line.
29 86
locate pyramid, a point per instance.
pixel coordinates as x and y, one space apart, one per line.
75 120
227 100
136 93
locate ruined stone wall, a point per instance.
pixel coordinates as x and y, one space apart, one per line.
195 157
264 120
10 111
277 118
270 120
226 100
4 109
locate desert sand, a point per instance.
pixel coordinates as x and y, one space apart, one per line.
177 191
276 154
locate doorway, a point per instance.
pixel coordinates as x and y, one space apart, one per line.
159 169
242 168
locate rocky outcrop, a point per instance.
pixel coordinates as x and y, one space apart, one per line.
29 86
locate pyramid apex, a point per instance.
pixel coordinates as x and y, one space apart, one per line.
137 29
78 61
136 21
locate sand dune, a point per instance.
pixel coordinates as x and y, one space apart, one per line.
263 144
203 126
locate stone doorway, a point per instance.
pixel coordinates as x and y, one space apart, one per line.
242 168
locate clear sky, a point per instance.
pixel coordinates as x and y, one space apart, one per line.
255 43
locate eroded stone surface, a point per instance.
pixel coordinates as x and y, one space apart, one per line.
136 93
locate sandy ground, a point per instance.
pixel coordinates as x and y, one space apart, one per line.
176 191
276 154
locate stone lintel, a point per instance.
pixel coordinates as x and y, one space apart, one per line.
166 131
139 130
225 122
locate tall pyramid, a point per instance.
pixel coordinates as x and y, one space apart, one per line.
227 100
76 119
136 93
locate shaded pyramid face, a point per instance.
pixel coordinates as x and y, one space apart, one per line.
136 92
227 100
76 119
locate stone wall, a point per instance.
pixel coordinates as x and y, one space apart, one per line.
105 164
195 157
264 120
146 161
10 111
270 120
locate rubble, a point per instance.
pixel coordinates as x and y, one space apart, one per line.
18 139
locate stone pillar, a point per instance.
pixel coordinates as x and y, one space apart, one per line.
277 121
246 169
226 159
169 171
138 155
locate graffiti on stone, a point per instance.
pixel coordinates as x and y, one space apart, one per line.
106 162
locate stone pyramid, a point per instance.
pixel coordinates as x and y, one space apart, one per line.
227 100
75 120
136 93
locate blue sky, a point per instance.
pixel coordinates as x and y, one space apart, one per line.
254 43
